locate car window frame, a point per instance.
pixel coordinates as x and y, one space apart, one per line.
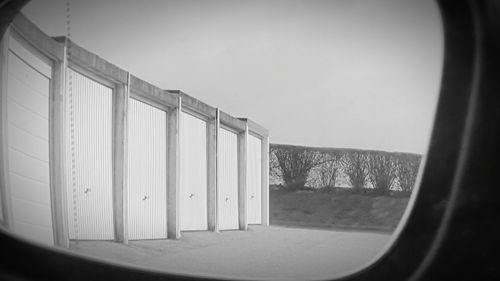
432 206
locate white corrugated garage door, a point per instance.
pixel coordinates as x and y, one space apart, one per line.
28 143
227 166
89 193
193 186
254 180
147 172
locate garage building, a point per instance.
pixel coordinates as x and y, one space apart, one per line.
90 151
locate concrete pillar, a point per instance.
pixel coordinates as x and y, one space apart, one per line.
212 173
265 180
173 170
120 135
217 128
56 141
242 178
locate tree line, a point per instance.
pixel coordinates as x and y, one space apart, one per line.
299 167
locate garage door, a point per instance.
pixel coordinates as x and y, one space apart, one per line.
89 183
193 186
227 165
254 180
147 172
28 87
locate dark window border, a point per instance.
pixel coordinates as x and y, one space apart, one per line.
451 231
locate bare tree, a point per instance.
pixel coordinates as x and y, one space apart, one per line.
275 175
295 163
381 170
354 167
406 169
329 170
296 166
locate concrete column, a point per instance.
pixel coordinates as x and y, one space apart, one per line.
265 180
56 143
173 170
212 174
120 136
242 178
217 127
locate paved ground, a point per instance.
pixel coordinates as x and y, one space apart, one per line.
259 253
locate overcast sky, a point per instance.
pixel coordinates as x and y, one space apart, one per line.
359 74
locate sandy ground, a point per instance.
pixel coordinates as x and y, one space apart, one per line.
259 253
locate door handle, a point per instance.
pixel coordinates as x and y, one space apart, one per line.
251 197
227 199
145 198
191 195
86 190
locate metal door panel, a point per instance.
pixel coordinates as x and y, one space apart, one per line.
228 180
35 61
27 120
254 180
193 187
26 166
34 232
35 101
28 145
30 212
21 140
89 196
147 180
32 190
